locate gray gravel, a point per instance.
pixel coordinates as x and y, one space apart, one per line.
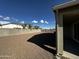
17 47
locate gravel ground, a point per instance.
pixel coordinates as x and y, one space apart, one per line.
18 47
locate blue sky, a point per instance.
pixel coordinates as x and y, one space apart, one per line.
36 12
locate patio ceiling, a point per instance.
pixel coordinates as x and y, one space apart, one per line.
70 18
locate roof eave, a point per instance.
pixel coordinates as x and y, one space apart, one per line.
65 5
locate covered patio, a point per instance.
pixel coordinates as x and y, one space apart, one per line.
67 27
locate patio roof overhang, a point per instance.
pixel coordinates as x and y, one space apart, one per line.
69 11
65 5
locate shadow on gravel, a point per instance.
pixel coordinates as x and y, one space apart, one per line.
46 41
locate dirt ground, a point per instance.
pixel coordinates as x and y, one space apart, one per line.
19 47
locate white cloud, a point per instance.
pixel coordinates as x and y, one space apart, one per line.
42 21
14 19
46 22
4 22
34 21
22 22
6 18
1 16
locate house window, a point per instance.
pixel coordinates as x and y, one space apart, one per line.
76 32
